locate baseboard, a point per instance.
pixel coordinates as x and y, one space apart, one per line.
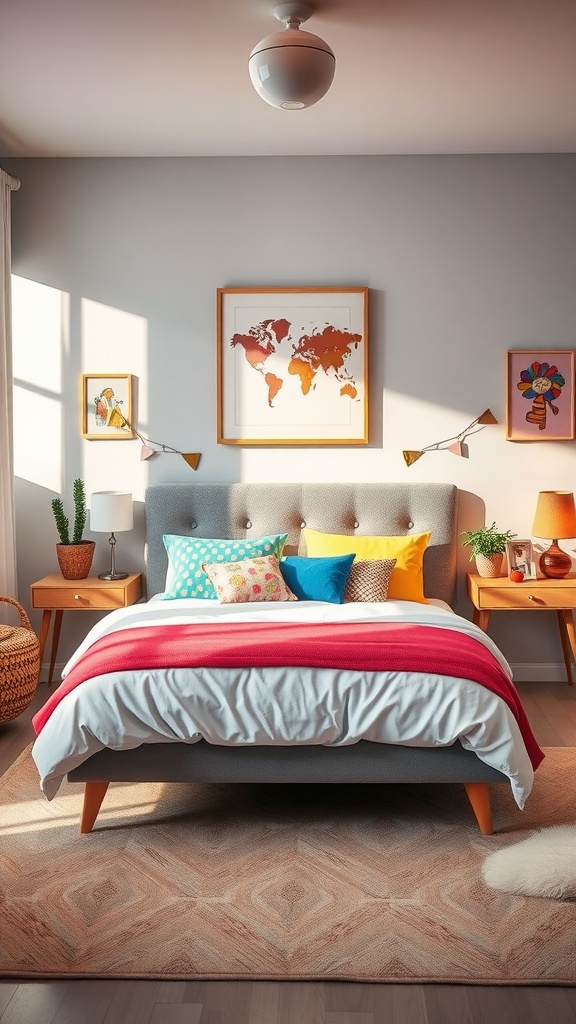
56 675
539 672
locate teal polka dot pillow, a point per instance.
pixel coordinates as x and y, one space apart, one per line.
186 577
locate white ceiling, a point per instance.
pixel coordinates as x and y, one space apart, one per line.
82 78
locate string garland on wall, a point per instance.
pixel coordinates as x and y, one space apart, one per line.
150 448
456 444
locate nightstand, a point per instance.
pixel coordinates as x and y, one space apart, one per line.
543 594
55 594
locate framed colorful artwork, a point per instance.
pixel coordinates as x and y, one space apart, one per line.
521 556
292 366
106 402
540 395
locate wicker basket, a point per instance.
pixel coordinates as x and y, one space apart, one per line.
19 665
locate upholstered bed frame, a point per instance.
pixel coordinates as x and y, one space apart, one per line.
252 510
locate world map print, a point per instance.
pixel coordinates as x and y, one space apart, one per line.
326 350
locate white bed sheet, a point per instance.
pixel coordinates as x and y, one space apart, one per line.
280 705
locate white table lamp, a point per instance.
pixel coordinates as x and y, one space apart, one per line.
111 512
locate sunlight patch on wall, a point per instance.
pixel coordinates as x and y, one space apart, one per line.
40 341
40 319
37 438
401 422
115 341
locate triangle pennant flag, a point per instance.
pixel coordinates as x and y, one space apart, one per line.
456 448
192 458
146 452
410 457
487 417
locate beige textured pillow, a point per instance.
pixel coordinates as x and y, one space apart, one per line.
253 579
369 580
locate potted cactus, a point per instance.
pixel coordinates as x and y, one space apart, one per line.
74 554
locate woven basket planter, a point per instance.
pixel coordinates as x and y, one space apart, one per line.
75 560
489 566
19 665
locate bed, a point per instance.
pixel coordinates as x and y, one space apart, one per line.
488 749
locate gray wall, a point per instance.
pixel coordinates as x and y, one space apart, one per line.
465 257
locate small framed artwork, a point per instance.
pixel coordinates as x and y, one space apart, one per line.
540 396
521 557
292 366
106 401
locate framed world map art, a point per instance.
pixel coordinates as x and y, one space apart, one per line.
292 366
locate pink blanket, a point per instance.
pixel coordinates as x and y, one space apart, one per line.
366 646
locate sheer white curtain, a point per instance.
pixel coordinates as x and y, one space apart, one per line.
7 527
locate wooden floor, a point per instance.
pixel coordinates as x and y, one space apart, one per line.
551 708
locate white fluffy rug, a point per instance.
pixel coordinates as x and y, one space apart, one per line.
543 865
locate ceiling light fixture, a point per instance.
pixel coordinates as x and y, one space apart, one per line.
292 69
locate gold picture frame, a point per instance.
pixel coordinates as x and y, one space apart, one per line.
544 412
292 366
106 404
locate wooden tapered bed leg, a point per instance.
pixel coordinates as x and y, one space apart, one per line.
94 793
479 796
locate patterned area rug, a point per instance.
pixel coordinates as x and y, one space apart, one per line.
357 883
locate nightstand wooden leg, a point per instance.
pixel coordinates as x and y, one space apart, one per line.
479 796
568 639
44 630
481 618
55 640
94 793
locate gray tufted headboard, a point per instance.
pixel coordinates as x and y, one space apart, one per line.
241 510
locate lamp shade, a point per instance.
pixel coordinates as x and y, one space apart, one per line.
555 515
111 511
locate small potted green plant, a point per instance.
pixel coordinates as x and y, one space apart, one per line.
74 554
488 546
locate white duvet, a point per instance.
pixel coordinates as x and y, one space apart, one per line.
280 705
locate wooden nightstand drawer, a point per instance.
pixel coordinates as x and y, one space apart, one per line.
80 598
100 595
502 594
523 596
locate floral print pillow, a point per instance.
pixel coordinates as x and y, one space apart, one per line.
253 579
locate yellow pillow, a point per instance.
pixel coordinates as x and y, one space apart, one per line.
406 583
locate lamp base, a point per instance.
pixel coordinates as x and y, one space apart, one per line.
112 574
554 562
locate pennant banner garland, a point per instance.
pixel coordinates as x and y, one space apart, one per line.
454 444
150 448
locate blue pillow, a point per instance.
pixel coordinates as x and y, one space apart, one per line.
317 579
186 577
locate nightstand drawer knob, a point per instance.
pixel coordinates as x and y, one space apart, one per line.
76 597
531 597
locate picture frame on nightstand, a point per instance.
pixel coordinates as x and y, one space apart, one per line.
520 554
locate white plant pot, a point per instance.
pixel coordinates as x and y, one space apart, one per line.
489 565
